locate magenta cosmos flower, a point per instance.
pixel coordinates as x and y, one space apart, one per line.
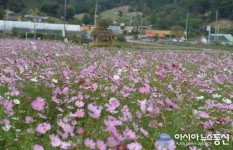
42 128
38 104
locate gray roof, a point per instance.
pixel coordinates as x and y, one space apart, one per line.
8 25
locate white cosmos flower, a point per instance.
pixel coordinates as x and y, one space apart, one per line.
18 130
34 79
57 54
200 97
106 88
6 128
15 118
116 77
7 94
121 71
202 75
16 101
216 96
227 101
54 80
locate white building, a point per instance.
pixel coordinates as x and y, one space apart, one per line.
7 26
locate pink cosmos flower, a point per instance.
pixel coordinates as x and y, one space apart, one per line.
112 142
144 132
111 124
134 146
65 145
65 91
38 147
42 128
208 124
67 128
7 104
65 75
28 119
55 140
113 104
129 134
94 111
80 131
145 89
138 114
170 103
100 145
89 143
127 116
94 86
204 115
38 104
79 104
79 113
14 92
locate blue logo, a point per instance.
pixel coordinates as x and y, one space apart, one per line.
163 141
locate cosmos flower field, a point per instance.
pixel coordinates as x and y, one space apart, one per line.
57 96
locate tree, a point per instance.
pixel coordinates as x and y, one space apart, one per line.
86 19
34 12
1 13
102 24
3 4
51 9
69 13
74 21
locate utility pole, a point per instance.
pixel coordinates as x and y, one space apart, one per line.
186 27
95 13
216 25
64 34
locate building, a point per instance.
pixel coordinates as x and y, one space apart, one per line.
116 30
42 27
225 39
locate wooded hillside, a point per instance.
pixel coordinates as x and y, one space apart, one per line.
162 14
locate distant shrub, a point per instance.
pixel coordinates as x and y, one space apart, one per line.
121 39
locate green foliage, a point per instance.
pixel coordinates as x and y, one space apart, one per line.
1 13
86 19
14 32
69 13
51 9
121 39
102 24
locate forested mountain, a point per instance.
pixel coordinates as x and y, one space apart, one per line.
162 14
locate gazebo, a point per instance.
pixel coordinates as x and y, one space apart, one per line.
103 38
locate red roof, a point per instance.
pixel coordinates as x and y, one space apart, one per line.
149 34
